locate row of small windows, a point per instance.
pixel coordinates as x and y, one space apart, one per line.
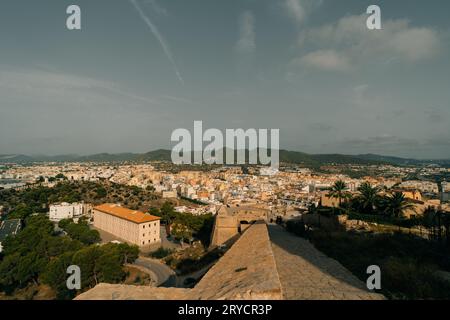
149 233
149 225
143 242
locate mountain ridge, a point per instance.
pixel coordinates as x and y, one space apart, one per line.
286 156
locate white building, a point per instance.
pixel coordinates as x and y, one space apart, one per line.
67 211
169 194
268 171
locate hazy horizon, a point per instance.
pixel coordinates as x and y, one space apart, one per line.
168 149
140 69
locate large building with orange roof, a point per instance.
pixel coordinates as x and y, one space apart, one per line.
132 226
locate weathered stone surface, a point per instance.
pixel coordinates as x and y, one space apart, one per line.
246 271
225 228
105 291
306 273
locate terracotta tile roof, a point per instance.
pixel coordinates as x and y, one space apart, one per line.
124 213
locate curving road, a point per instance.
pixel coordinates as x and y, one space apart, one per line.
165 277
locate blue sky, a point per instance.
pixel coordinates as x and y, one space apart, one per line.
137 71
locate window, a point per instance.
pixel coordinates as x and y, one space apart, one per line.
143 227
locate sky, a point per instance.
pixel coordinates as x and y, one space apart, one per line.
139 69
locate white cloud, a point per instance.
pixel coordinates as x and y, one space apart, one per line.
415 44
329 60
246 42
334 45
298 10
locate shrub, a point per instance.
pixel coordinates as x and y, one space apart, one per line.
160 253
407 279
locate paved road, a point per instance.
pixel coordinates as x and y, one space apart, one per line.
306 273
165 277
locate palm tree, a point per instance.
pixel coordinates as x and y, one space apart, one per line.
338 191
435 220
396 204
369 196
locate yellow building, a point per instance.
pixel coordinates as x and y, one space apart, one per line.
410 194
132 226
328 201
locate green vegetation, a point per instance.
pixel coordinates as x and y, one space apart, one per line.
338 190
368 198
60 176
395 204
22 204
195 201
80 231
185 226
369 203
192 259
409 265
36 256
160 253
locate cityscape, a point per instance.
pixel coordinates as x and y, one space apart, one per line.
317 166
183 221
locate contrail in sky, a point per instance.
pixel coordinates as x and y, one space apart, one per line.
160 38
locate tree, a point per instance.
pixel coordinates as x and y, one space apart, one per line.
155 212
437 220
29 267
168 215
338 191
396 204
86 260
101 192
37 255
80 231
8 271
368 198
55 275
60 176
22 211
182 232
110 267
